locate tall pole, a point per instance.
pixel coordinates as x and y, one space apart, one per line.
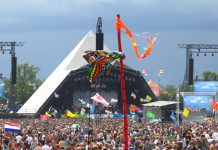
123 92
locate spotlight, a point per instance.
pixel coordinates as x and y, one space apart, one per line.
199 50
197 54
212 54
205 54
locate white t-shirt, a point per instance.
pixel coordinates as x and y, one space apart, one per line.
215 136
19 138
45 147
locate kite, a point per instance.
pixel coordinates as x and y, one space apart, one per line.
99 61
152 39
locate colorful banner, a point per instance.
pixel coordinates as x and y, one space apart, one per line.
200 103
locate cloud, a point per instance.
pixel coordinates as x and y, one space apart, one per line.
203 102
205 87
193 101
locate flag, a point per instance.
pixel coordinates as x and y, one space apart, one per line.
132 108
114 100
133 95
92 109
69 114
88 105
145 72
161 72
47 114
56 95
172 116
214 105
108 111
120 25
149 98
150 115
11 127
82 112
44 117
190 109
98 98
185 112
137 109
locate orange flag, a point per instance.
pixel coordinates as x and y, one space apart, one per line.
214 105
120 25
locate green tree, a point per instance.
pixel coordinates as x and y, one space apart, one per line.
210 76
168 93
27 83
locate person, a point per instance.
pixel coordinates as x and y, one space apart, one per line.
212 145
45 146
38 147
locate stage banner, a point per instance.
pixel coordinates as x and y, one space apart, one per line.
198 104
206 86
2 87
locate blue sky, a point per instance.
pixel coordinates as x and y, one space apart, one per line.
52 28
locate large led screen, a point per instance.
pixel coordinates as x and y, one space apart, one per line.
199 103
2 87
206 86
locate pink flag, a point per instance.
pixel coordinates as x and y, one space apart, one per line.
44 117
145 72
99 99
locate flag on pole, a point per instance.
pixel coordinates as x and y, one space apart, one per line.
145 72
98 98
185 112
150 115
12 127
172 116
108 111
82 112
190 109
69 114
160 72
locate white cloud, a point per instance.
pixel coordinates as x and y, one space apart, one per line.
193 101
203 102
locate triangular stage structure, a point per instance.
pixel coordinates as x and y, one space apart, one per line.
72 62
69 82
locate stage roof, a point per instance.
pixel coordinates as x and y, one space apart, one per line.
159 103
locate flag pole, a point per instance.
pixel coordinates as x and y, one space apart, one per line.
123 92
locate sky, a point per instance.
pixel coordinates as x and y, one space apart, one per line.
52 28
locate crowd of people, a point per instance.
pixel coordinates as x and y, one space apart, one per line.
107 134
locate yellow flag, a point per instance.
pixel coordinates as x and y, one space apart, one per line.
47 114
185 112
148 97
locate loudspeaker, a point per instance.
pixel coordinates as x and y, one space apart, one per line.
13 70
99 41
190 71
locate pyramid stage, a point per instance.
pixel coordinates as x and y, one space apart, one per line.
69 82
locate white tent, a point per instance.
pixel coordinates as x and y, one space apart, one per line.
73 61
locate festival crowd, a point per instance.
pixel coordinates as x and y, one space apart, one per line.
107 134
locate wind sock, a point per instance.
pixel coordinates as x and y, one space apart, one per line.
185 112
150 115
70 114
98 98
120 25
